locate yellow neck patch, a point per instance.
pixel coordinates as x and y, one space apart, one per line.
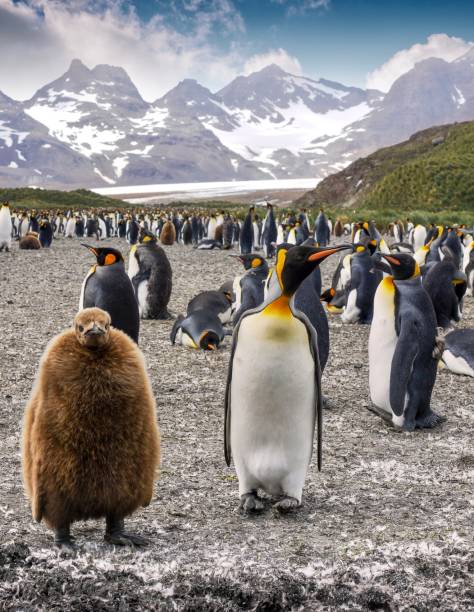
387 285
146 239
279 308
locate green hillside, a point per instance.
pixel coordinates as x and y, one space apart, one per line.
46 198
433 172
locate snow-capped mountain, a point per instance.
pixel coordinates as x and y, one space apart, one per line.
91 127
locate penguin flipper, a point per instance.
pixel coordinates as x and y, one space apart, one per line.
318 404
402 364
176 326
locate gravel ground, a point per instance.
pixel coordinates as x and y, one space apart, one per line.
387 525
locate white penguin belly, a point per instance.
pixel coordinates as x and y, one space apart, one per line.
382 342
458 365
142 297
272 405
351 311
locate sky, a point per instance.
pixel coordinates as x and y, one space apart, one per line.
366 43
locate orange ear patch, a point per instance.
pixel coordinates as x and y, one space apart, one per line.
110 259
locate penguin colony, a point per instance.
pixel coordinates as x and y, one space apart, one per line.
409 287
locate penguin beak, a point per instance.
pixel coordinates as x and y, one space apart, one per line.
392 260
91 248
94 331
211 347
320 253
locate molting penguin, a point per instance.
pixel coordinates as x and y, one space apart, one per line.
90 439
458 354
151 276
271 407
108 287
402 347
5 227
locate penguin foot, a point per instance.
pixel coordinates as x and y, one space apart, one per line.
430 421
438 347
115 534
287 504
250 503
63 539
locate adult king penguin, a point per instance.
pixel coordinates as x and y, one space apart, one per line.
5 227
151 276
403 348
271 407
108 287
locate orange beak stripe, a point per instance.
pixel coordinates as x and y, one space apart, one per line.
321 254
392 260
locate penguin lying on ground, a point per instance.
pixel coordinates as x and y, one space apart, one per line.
403 348
198 330
458 354
446 286
207 244
248 290
271 407
90 438
151 276
107 286
218 303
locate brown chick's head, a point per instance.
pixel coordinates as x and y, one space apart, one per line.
92 326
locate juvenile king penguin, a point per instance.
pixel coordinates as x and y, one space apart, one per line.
403 347
5 227
90 437
273 393
151 276
107 286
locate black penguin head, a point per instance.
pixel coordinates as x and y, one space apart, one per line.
105 256
146 237
92 328
251 260
294 265
209 341
403 265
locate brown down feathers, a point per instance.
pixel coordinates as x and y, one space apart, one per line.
90 441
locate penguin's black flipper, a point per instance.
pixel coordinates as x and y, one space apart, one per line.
402 363
318 404
176 326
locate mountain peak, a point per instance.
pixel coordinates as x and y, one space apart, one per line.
77 67
271 70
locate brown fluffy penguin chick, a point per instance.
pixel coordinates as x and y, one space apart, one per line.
91 445
30 242
168 233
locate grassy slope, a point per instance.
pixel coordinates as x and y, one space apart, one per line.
415 177
46 198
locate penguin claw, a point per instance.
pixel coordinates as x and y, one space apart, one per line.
250 503
430 421
287 504
121 538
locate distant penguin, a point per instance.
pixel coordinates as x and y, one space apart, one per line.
469 269
402 348
211 228
458 354
70 227
227 232
5 227
338 229
187 232
79 229
45 234
322 233
91 444
102 228
29 242
168 234
151 276
446 286
419 237
199 330
92 228
361 288
23 225
273 400
108 287
246 233
133 231
249 290
269 233
207 244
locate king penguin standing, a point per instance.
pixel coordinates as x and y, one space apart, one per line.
273 394
403 347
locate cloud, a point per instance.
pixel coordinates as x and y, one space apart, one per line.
276 56
442 46
301 7
39 38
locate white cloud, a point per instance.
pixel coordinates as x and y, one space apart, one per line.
39 38
301 7
275 56
442 46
